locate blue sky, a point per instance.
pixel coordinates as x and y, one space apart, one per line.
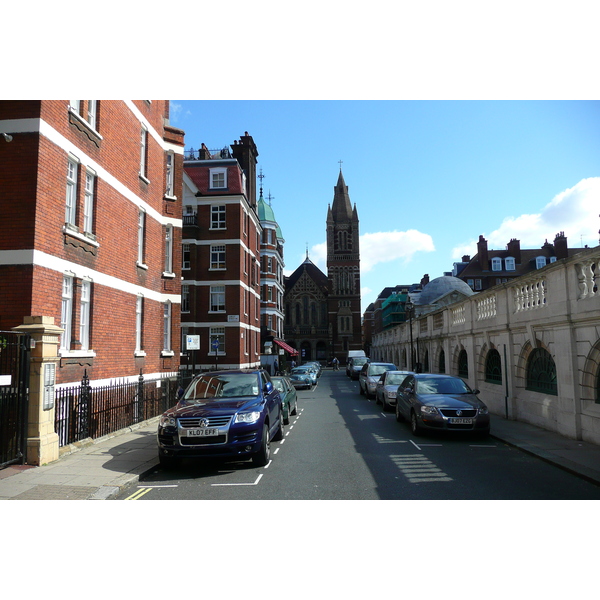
427 177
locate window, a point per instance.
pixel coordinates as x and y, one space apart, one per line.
217 298
167 327
217 257
143 152
139 321
442 362
170 175
217 334
509 263
218 178
217 217
84 317
185 263
463 364
92 112
541 372
88 203
66 315
141 237
185 298
493 367
71 202
169 249
540 262
496 264
478 284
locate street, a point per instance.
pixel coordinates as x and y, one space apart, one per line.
342 446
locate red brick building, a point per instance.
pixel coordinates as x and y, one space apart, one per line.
220 307
90 231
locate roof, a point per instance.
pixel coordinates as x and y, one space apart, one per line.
442 286
313 272
199 172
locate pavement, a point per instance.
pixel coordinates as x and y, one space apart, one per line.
101 469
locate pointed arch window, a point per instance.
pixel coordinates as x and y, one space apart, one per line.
493 367
463 364
541 372
442 362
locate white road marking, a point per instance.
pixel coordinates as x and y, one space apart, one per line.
234 484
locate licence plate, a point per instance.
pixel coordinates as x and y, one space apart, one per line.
202 432
457 421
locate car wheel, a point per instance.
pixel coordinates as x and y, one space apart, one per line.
286 420
362 392
261 458
295 411
376 398
384 403
414 424
399 416
279 433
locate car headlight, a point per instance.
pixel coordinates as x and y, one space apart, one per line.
428 410
391 394
483 410
248 417
167 421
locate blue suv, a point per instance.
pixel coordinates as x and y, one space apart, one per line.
223 414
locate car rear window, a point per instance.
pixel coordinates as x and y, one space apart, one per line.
233 385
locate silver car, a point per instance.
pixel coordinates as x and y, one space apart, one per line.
370 374
387 386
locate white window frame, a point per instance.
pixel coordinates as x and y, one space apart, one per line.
139 322
141 237
217 333
92 113
218 178
167 319
217 257
496 264
217 299
143 152
170 175
169 249
88 203
185 298
510 264
540 262
218 213
66 315
185 251
85 313
71 196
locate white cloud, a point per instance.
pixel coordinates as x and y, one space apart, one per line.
574 211
387 246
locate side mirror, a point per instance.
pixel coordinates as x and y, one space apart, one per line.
475 392
268 387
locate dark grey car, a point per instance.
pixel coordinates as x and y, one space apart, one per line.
440 402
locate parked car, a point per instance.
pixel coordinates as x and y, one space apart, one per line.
301 377
289 397
355 364
317 366
387 386
369 376
230 414
440 402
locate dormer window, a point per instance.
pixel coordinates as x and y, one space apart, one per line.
496 264
509 264
218 179
540 262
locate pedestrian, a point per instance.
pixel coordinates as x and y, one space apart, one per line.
276 367
293 363
336 363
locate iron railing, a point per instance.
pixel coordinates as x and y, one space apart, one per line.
84 411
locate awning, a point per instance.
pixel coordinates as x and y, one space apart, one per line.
287 348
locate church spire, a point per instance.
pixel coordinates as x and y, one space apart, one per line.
341 208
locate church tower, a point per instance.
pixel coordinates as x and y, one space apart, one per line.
343 273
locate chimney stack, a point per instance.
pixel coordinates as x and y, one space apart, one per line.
482 251
561 249
514 250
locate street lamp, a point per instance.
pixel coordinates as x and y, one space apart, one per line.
409 308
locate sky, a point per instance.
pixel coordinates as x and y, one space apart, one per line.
427 177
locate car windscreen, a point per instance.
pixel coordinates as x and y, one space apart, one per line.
358 362
233 385
279 385
395 379
435 385
379 369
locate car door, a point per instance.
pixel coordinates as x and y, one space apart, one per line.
272 402
379 390
403 396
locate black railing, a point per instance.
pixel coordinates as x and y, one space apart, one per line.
84 411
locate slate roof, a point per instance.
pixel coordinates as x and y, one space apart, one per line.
198 171
313 272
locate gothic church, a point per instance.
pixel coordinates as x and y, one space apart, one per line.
322 312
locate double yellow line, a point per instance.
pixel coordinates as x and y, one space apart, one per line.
139 494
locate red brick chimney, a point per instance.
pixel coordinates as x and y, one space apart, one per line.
424 280
482 254
514 250
561 249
